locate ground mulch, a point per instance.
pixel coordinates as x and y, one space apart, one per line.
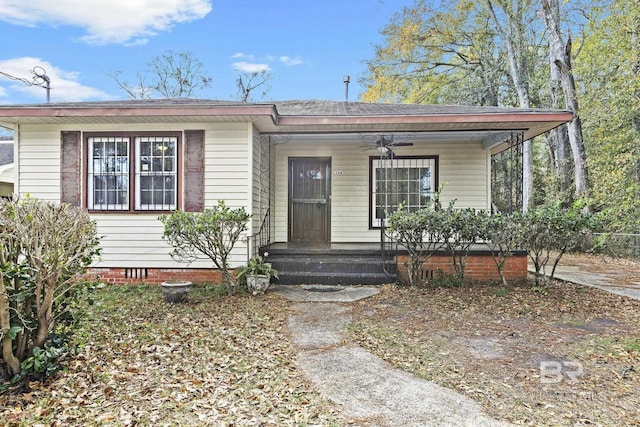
215 360
562 355
229 361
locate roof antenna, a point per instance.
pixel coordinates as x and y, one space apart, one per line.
346 80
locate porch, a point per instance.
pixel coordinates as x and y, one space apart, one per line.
370 264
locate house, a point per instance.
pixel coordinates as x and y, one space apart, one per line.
317 176
6 167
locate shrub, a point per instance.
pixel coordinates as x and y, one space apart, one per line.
212 233
43 249
420 232
503 234
461 228
550 231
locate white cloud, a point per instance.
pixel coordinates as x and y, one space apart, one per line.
64 84
289 62
242 55
248 67
113 21
3 92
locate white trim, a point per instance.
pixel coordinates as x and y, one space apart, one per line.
488 173
16 159
9 167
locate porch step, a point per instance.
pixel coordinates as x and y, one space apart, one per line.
334 268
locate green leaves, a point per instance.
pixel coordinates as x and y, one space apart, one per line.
14 331
43 248
212 233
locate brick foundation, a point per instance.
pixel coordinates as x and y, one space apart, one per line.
478 267
154 275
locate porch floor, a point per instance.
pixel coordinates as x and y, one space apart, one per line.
355 248
321 248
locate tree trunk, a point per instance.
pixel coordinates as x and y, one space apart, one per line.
44 312
558 139
13 364
517 69
560 57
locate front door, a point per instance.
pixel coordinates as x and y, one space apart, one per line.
309 199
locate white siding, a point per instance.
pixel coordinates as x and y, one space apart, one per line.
135 240
463 169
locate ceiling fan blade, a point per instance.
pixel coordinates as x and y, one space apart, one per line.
402 144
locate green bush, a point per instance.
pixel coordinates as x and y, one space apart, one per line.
420 232
461 229
503 234
212 233
550 231
44 250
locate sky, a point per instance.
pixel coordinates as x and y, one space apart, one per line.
308 46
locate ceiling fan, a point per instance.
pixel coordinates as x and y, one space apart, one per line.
385 145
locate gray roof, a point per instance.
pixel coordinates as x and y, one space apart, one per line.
336 108
6 152
492 125
297 107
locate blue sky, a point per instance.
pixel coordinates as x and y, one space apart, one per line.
308 46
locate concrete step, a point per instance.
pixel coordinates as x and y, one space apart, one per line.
333 269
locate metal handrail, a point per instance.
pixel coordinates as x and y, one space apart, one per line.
261 238
387 246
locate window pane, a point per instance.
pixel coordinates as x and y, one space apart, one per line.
408 181
108 173
156 167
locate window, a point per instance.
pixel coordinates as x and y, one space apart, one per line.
408 180
152 159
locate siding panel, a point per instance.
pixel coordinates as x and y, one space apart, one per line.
135 240
463 169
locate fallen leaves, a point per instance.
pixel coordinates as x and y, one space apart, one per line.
488 343
211 361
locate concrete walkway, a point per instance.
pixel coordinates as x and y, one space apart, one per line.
370 391
604 281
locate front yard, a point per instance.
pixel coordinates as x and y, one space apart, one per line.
225 361
215 360
490 343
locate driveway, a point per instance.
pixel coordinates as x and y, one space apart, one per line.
618 276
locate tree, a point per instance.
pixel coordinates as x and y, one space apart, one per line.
432 55
609 89
560 58
466 52
169 75
248 82
512 32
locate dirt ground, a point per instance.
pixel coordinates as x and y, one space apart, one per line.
565 355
